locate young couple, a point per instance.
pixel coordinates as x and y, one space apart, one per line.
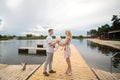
50 51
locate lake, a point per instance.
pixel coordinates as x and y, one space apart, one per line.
97 56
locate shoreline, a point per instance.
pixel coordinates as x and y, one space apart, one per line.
114 44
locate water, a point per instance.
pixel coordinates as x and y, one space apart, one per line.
9 52
97 56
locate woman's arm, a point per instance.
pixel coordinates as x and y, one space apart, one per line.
52 43
65 43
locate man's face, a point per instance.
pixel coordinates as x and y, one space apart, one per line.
51 33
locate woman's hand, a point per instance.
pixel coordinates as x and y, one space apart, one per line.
57 42
58 38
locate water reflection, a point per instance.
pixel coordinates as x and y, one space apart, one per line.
9 52
106 50
81 40
31 54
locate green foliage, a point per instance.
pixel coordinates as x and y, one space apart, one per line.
62 37
53 37
0 36
80 36
93 32
115 22
29 35
5 37
77 37
42 37
106 28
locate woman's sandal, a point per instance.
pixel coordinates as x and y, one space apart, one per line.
69 73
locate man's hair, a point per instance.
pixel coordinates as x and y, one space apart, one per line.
50 30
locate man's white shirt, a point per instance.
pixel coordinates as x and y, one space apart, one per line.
49 49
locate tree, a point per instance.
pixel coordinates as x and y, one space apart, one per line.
0 36
80 36
14 36
29 35
115 22
93 32
88 33
103 28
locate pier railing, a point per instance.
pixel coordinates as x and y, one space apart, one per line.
113 58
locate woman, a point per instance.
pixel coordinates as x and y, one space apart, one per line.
67 51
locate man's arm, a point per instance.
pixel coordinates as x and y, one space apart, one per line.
52 43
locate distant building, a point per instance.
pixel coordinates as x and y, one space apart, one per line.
104 36
114 35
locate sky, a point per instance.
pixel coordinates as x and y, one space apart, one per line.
21 17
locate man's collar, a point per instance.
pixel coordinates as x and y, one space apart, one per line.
50 35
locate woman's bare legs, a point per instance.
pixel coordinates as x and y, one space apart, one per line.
69 70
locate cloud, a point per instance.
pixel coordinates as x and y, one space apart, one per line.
1 23
23 16
37 30
13 4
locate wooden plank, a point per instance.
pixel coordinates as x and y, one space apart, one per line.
103 75
106 75
33 48
27 77
26 50
100 76
115 78
80 69
3 66
117 75
9 71
23 74
14 72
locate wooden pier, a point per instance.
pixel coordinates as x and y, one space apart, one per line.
26 50
15 72
104 75
80 69
39 49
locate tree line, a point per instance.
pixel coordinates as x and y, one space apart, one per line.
106 28
32 37
6 37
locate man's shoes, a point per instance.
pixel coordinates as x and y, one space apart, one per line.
46 74
52 71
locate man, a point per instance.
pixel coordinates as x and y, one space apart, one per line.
50 50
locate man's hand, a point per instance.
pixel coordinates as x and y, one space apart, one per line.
52 43
57 42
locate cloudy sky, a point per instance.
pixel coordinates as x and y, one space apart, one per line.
19 17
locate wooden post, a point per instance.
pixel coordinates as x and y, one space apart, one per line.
40 46
40 51
23 50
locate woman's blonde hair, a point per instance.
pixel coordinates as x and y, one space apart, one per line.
68 34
